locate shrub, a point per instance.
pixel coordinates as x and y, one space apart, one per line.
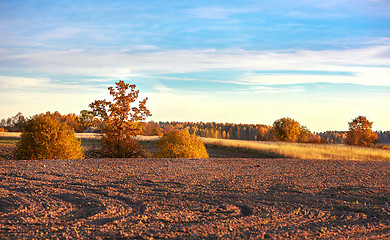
317 139
45 138
180 144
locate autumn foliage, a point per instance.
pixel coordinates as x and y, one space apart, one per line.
289 130
360 132
120 120
45 138
180 144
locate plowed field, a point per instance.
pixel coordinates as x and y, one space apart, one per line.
184 198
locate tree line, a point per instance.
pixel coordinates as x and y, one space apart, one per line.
340 137
253 132
79 123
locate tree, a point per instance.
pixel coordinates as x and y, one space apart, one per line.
304 134
45 138
121 120
287 129
86 117
13 124
180 144
360 132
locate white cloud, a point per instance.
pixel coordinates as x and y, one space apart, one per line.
24 85
10 82
39 102
368 66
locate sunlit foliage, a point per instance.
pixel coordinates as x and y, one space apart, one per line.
287 129
45 138
151 129
304 134
360 132
120 120
180 144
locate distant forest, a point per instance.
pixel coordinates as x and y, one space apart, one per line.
253 132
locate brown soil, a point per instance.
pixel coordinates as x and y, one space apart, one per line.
194 199
6 151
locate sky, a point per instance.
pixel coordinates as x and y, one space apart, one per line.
322 63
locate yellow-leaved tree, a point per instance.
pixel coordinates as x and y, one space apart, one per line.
121 121
289 130
180 144
45 138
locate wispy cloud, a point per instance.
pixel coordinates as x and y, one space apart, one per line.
366 66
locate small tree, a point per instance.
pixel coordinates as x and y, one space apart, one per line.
45 138
360 132
121 120
287 129
180 144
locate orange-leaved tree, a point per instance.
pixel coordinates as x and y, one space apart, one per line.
360 132
120 118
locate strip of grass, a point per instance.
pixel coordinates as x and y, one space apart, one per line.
6 140
89 142
306 151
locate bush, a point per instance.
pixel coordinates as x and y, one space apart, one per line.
317 139
45 138
180 144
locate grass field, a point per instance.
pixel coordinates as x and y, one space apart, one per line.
305 151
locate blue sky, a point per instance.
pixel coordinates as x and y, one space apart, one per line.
320 62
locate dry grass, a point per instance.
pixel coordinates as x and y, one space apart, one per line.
306 151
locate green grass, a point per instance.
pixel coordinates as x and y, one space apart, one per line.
8 140
91 142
